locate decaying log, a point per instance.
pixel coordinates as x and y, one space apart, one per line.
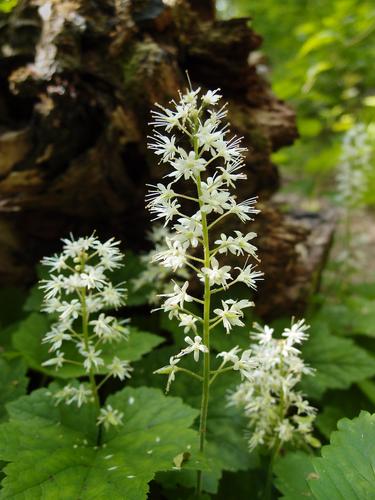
78 78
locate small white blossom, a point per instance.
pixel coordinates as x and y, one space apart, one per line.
178 297
231 312
248 276
169 370
71 394
229 356
195 346
92 358
216 275
57 361
187 321
110 417
56 336
211 97
120 368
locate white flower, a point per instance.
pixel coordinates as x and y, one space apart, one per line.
166 209
106 328
229 356
69 310
56 336
69 394
56 262
163 146
285 430
211 97
178 297
207 137
120 368
110 417
93 277
248 276
189 229
169 370
76 248
187 165
296 334
243 209
174 256
216 275
92 358
187 321
53 286
231 312
57 361
194 346
245 364
229 174
263 334
113 296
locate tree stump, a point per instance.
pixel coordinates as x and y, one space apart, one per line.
78 78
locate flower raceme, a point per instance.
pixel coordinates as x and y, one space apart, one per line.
202 166
77 293
355 166
277 412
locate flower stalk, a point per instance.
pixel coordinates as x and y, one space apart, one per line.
77 293
206 164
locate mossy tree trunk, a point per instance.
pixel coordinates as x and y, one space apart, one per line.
78 78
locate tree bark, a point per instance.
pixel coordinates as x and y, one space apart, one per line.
78 78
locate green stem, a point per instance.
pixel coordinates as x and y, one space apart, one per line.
85 332
268 488
219 372
189 372
206 339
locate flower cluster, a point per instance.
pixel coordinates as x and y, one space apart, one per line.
155 278
277 412
355 166
203 164
77 292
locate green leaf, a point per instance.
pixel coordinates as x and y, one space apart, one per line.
28 341
344 471
13 382
292 473
34 300
227 447
346 468
338 362
53 449
339 404
7 6
317 41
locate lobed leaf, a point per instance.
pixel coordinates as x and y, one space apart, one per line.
338 362
345 470
51 448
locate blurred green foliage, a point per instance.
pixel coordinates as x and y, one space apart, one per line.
7 5
321 54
